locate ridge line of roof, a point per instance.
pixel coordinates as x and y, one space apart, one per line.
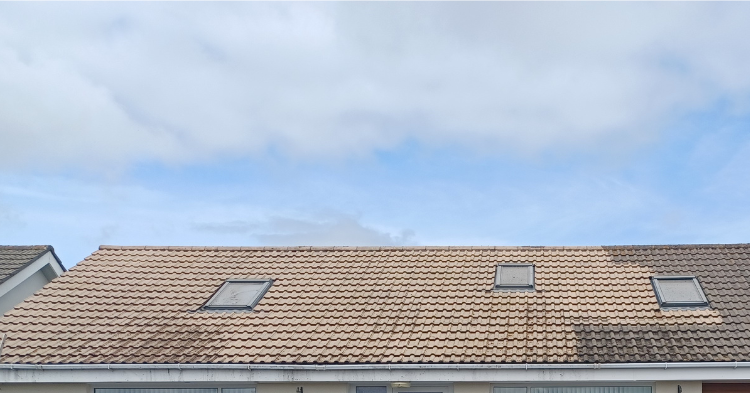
32 247
376 248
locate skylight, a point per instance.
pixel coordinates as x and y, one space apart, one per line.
514 276
238 295
679 291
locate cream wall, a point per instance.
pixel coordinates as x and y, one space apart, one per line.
474 387
671 387
43 388
307 387
25 289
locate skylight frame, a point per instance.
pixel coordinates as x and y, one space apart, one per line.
663 303
267 283
531 279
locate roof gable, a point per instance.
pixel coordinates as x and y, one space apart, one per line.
13 259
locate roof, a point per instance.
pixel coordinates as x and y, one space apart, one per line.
385 305
13 259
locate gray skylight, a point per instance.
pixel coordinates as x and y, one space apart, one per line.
514 276
238 295
679 291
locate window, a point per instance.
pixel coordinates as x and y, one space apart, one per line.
679 291
157 390
174 390
514 277
575 389
238 295
509 390
371 389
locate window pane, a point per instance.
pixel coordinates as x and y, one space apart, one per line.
510 390
371 389
157 390
238 294
594 389
514 275
680 291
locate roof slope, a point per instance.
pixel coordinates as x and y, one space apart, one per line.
385 305
14 258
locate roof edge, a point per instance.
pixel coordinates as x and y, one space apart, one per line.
371 366
43 249
376 248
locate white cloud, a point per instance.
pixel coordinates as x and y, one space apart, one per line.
103 85
329 229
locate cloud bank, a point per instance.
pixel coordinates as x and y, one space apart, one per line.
102 85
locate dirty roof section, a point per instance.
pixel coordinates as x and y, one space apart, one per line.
385 305
14 258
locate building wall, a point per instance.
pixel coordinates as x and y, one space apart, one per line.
43 388
307 387
460 387
671 387
25 289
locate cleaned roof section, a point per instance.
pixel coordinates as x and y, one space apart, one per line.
13 259
385 305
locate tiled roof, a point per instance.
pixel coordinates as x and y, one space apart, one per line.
14 258
385 305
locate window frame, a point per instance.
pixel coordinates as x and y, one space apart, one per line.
678 304
530 287
529 386
353 387
443 388
267 283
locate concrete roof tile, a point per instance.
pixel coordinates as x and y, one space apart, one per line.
384 304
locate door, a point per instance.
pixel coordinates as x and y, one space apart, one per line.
726 388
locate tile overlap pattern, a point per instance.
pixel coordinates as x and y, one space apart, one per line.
15 258
383 305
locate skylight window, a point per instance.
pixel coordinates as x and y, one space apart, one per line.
238 295
679 291
514 276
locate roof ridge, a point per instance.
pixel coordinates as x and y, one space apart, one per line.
31 247
375 248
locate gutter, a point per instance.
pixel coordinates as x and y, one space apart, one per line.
390 367
145 374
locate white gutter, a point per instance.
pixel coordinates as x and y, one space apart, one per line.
269 373
377 366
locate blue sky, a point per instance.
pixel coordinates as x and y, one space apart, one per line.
373 124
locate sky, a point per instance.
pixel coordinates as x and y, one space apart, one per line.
373 124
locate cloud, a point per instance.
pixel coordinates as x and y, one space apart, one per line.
330 229
106 85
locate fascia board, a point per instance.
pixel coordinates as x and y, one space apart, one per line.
230 373
47 259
